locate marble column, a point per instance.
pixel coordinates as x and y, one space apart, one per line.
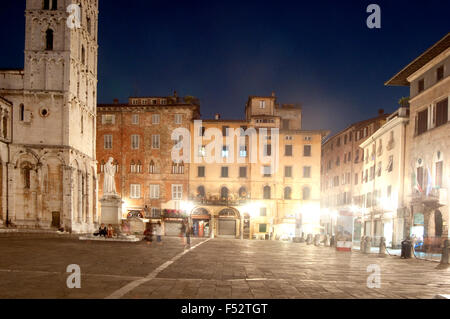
11 191
88 212
79 210
68 186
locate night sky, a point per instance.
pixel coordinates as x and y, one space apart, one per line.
317 53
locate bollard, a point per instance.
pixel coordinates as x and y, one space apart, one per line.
382 251
317 240
445 259
361 243
327 240
413 245
367 245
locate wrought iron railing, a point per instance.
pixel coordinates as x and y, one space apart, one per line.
220 202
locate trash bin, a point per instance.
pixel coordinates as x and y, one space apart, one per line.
406 248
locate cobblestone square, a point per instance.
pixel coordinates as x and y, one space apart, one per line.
35 267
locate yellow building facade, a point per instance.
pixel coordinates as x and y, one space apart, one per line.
256 178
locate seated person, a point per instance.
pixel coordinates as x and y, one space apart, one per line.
102 231
110 231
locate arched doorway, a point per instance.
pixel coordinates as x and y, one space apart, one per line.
228 222
201 222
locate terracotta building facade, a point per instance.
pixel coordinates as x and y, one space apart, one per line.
138 136
427 163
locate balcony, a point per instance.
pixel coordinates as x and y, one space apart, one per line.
173 213
215 201
436 197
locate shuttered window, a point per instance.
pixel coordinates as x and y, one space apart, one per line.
135 191
422 122
108 142
441 112
134 142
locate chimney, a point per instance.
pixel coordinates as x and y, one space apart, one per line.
380 112
273 93
217 116
116 101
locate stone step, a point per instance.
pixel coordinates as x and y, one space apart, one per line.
130 238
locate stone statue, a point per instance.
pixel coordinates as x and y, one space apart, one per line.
109 184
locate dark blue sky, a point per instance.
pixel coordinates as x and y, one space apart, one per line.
318 53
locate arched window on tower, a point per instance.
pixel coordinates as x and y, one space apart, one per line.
49 39
54 4
88 23
26 175
5 126
83 55
46 5
22 112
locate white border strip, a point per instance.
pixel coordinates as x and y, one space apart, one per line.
132 285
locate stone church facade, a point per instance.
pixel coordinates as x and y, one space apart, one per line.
48 166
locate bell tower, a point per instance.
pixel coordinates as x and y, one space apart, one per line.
53 168
60 76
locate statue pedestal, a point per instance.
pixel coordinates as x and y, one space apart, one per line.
137 225
111 210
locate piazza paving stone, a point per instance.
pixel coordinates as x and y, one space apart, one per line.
35 267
